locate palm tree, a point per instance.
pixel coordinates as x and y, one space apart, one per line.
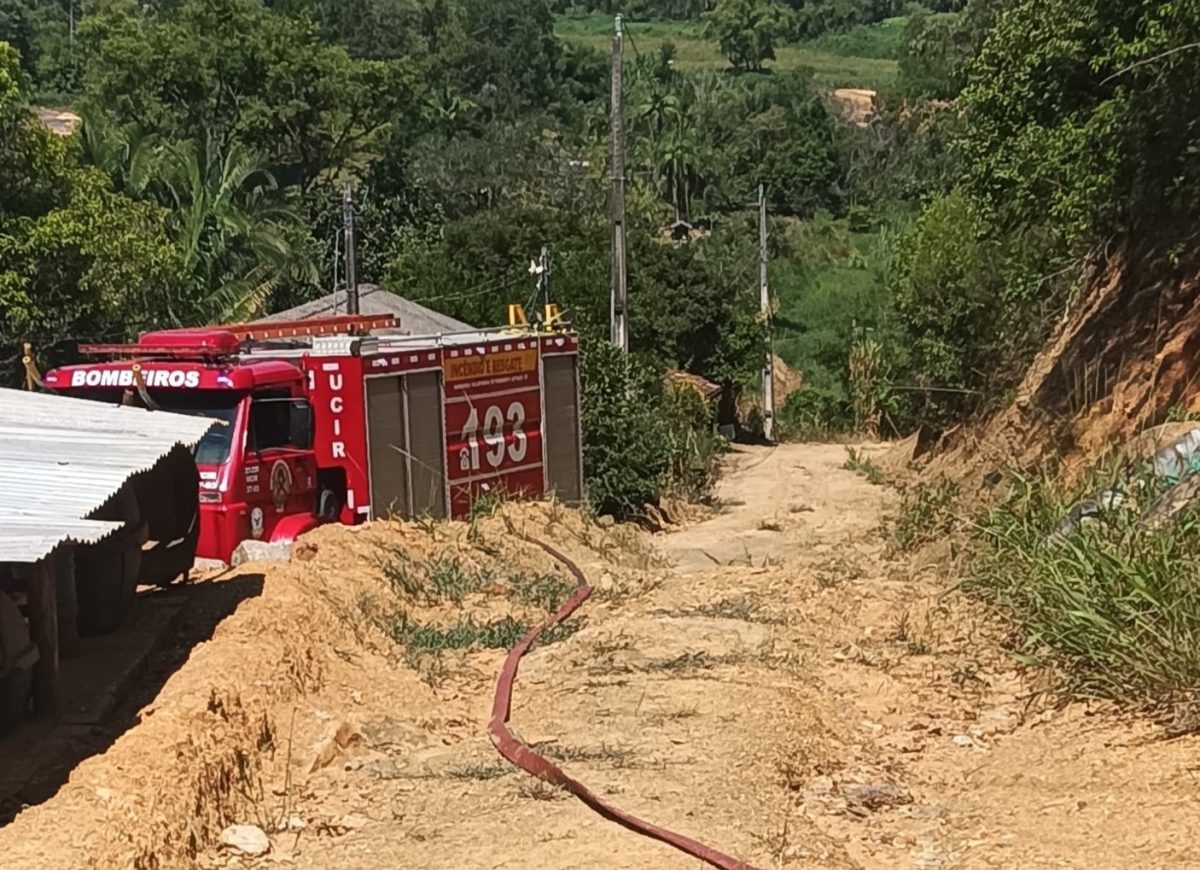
126 155
671 142
235 232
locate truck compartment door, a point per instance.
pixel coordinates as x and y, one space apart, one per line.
387 447
423 407
564 460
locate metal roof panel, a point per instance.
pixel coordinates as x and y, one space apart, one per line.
63 458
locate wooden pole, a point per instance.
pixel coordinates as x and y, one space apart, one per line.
765 302
43 624
620 296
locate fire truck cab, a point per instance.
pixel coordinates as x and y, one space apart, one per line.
323 421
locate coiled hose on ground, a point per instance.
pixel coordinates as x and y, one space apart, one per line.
537 765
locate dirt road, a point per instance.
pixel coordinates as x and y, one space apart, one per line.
784 691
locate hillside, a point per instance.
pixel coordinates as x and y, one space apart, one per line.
1120 361
861 58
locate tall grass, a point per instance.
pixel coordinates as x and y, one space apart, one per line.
880 41
693 445
1115 605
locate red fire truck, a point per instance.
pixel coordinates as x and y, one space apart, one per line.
335 420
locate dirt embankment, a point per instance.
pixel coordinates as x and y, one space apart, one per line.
1122 358
788 691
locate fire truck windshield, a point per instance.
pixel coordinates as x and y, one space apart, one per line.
213 448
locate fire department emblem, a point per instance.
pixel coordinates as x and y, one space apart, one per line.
281 484
256 522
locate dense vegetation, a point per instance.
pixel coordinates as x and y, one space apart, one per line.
917 260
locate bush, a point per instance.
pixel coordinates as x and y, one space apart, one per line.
812 413
693 444
933 55
949 299
625 442
747 30
639 439
1116 606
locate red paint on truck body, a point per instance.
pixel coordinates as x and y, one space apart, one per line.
491 404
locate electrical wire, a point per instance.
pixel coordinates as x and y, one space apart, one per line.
625 29
477 291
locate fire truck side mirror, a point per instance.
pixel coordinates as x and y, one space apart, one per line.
300 423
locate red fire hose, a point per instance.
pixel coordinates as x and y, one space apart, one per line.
531 762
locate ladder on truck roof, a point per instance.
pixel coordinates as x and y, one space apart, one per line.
223 341
337 324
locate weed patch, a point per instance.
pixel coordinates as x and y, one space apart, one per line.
546 591
926 514
1114 606
742 608
432 581
678 715
421 637
616 756
861 464
479 772
540 790
691 661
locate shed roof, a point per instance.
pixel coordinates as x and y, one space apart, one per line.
414 319
61 459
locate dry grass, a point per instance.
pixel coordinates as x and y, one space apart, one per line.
614 756
539 790
480 772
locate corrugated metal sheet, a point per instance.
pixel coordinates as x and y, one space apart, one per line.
22 536
61 459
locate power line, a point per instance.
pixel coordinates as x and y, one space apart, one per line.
632 41
477 291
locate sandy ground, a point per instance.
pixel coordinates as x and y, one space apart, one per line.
769 681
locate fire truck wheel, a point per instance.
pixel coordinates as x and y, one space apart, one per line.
329 506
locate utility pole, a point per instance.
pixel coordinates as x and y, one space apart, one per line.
348 229
765 302
619 311
543 285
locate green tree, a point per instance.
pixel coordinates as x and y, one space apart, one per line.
747 31
18 30
40 31
933 54
236 236
234 71
78 260
1084 114
695 307
949 296
370 29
